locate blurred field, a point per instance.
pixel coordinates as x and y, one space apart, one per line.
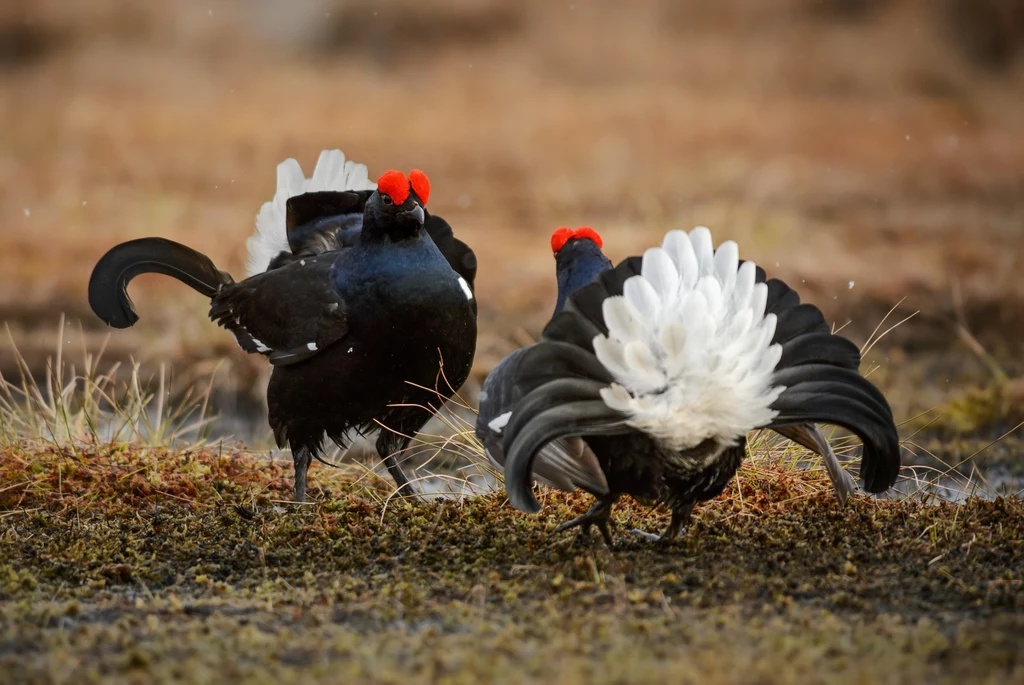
843 141
870 153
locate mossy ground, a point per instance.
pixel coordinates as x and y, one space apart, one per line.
125 565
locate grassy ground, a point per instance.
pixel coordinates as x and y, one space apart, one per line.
125 563
129 565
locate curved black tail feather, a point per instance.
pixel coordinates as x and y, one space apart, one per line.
547 423
108 285
821 393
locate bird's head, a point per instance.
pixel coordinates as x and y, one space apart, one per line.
395 210
578 260
567 243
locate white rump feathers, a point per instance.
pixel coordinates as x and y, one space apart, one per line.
332 172
689 344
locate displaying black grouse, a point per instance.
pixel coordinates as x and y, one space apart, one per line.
357 336
665 363
566 463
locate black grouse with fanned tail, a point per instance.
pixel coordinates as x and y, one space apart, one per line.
360 338
665 363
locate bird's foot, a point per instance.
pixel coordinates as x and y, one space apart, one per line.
649 537
680 517
598 515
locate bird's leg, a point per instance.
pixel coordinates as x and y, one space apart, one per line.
680 517
389 449
598 515
302 458
395 469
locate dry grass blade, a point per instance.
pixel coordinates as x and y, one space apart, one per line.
954 468
73 408
871 343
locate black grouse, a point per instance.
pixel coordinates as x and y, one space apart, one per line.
566 463
360 338
665 363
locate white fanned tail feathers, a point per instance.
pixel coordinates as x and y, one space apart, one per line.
332 172
689 344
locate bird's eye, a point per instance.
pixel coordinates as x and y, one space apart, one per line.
386 199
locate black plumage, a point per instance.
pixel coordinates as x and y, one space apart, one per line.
355 334
558 384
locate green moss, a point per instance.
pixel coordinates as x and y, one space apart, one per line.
999 403
206 576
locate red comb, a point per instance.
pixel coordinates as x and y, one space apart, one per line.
559 238
564 234
394 184
420 184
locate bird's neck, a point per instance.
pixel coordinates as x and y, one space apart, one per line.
575 273
376 232
379 254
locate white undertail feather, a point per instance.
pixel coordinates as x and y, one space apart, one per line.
689 344
498 424
332 172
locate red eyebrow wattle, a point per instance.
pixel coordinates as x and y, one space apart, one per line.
564 234
420 185
395 185
560 237
588 232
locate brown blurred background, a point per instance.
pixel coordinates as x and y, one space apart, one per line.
868 151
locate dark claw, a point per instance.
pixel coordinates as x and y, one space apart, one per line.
597 515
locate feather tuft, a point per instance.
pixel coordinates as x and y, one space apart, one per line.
689 344
332 172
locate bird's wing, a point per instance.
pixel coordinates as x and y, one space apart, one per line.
289 314
558 390
811 437
332 172
315 219
563 463
460 256
825 393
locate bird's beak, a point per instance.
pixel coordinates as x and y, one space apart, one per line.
416 213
